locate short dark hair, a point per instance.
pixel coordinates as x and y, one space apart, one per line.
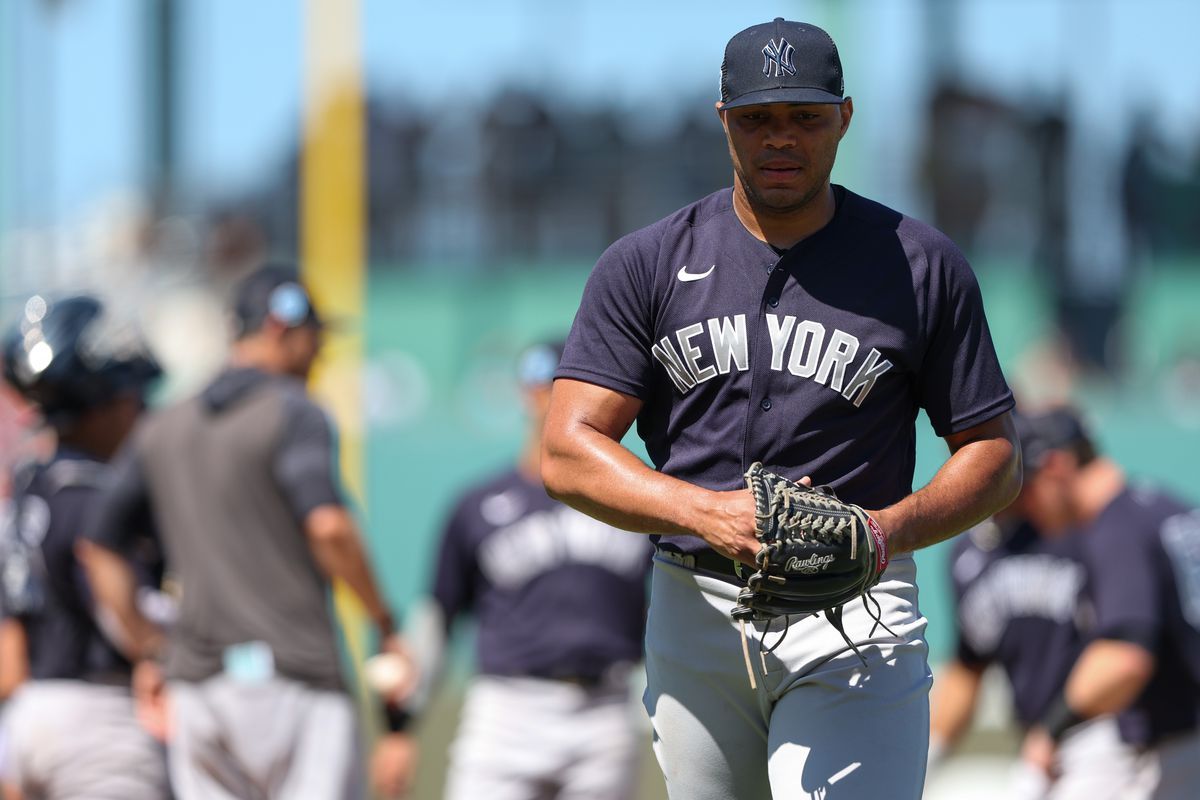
1060 428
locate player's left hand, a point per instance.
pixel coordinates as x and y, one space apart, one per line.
403 679
149 689
1041 752
394 765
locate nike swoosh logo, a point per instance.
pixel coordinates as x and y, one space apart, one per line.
686 276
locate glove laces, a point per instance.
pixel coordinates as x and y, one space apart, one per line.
796 513
832 615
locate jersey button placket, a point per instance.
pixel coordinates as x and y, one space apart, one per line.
774 290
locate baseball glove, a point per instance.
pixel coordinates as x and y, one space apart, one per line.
816 552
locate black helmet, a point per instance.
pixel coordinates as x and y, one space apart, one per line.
68 356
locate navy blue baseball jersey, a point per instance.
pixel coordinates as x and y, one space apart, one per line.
1143 556
814 361
1020 604
556 593
45 586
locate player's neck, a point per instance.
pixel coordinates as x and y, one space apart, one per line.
1099 484
784 229
91 438
530 463
253 353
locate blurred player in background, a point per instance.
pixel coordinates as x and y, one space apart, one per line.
70 723
560 599
241 482
1022 604
1142 551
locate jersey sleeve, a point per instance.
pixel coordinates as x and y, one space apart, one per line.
610 340
456 571
961 383
306 459
1124 583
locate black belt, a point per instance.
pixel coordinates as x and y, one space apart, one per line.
706 560
586 681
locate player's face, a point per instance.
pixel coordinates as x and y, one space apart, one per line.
1046 498
300 347
783 153
537 403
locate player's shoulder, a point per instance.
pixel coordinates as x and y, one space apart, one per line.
868 217
646 243
1143 507
74 473
499 498
1155 498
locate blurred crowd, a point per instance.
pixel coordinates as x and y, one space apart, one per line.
523 179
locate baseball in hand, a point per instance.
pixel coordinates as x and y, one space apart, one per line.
387 673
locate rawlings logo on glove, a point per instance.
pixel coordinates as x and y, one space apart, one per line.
808 566
816 552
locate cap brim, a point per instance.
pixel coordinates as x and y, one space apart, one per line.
789 94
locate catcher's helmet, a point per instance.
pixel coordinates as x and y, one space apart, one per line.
68 356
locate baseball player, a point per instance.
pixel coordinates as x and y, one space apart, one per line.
71 726
1142 553
240 480
561 603
791 322
1021 604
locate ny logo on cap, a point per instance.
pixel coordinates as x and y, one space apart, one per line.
780 56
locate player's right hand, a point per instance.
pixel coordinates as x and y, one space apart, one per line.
149 690
729 525
403 682
394 765
1040 752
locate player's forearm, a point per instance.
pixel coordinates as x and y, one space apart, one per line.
114 586
14 656
338 550
1108 677
590 471
981 477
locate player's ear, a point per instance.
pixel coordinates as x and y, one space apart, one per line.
720 108
847 111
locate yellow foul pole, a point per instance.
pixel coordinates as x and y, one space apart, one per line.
332 237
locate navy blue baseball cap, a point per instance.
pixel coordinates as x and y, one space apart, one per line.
538 363
275 292
781 62
1059 428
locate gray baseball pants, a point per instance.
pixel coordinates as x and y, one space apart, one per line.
1094 764
534 739
817 725
72 740
274 739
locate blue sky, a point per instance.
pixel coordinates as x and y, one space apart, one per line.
243 60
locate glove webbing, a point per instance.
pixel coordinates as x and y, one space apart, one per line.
824 527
